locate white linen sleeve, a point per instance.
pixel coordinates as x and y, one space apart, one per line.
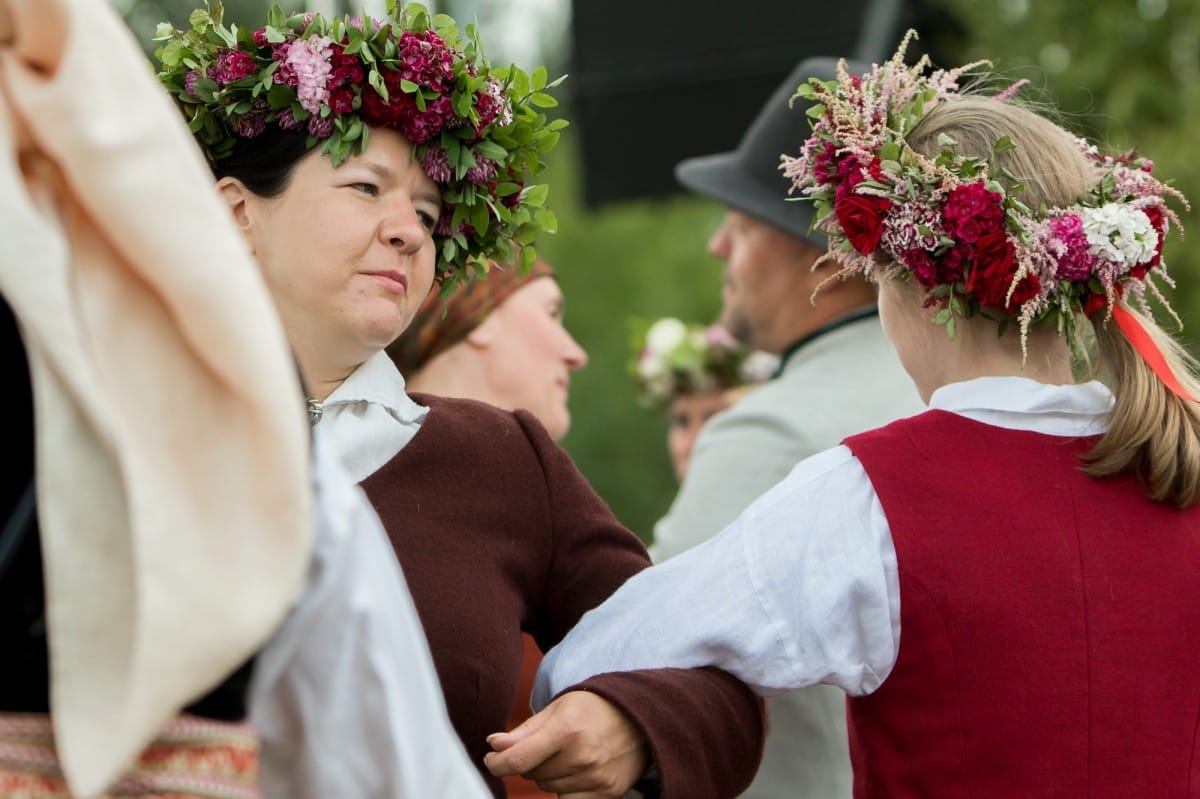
345 697
801 589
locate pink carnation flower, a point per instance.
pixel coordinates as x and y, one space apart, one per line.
492 105
309 59
232 65
971 211
437 165
911 226
1075 262
249 125
320 127
287 120
189 82
484 171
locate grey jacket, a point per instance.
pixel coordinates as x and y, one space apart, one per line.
842 382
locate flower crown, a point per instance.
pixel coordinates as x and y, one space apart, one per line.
476 130
970 242
674 358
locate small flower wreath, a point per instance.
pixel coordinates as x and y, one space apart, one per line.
477 130
674 358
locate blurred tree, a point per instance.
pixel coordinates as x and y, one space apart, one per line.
637 259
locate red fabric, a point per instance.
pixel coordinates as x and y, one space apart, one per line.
1049 623
518 787
1148 349
498 533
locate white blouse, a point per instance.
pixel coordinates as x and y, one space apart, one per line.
370 417
802 588
345 696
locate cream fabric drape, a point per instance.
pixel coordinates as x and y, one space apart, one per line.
172 459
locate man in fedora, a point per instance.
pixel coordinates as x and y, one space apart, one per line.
838 375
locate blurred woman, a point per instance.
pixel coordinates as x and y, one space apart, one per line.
360 159
500 340
694 373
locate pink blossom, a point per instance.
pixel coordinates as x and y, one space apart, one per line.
824 155
420 126
1074 260
284 73
492 105
482 172
902 230
971 211
309 58
249 125
287 120
189 82
425 60
437 165
231 65
320 127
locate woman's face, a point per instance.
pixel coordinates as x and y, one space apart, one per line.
687 414
348 252
531 355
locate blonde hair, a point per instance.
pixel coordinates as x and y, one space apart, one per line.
1153 433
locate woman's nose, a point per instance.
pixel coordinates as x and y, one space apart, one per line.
402 227
575 356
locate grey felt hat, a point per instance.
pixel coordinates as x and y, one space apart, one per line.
748 179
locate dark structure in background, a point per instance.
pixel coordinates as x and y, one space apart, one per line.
657 81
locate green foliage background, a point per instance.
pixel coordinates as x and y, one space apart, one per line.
1126 72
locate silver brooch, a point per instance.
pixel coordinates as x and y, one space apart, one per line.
315 409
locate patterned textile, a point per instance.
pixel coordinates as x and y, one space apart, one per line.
432 332
192 758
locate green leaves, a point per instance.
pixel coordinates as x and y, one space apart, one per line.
490 144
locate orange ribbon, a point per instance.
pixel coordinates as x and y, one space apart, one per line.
1151 354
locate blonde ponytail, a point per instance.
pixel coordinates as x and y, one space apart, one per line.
1154 433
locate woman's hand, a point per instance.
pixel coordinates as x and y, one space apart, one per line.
580 747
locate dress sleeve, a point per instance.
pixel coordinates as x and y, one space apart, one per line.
705 729
801 589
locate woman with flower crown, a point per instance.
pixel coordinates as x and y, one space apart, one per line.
362 159
693 372
1004 585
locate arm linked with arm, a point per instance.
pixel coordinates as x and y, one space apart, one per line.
704 729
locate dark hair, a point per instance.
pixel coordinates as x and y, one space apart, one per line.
264 163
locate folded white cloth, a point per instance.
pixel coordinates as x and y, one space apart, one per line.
173 491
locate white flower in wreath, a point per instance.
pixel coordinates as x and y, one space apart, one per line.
665 335
1119 234
651 365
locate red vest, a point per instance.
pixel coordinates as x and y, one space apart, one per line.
1049 623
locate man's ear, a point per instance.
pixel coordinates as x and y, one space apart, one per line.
239 199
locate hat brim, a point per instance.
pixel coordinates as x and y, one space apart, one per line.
721 177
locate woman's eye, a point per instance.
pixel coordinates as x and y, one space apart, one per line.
428 220
366 188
